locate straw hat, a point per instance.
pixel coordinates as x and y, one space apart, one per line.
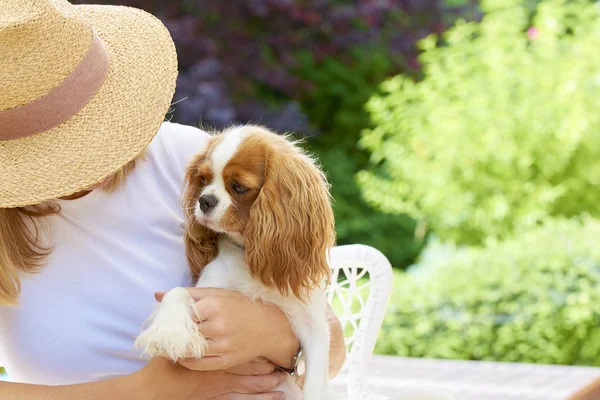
83 90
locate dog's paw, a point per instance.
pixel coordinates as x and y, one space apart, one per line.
172 341
172 333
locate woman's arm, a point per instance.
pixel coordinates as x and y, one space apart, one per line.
241 329
122 388
162 379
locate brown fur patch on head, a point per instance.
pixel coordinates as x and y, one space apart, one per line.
200 242
245 170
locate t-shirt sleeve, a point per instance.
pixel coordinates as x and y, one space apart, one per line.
168 156
175 146
182 143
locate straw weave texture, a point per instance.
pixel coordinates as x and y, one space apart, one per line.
41 42
44 45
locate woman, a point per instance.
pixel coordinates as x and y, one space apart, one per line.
91 223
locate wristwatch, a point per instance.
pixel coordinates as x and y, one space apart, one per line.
298 364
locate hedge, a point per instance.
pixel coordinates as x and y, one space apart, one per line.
532 298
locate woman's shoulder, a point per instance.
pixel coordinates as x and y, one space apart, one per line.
170 152
176 143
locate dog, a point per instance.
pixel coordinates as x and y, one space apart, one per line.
259 221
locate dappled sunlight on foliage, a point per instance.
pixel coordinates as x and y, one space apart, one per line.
502 132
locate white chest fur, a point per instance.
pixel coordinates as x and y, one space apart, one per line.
229 271
173 333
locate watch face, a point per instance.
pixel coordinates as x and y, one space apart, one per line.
301 367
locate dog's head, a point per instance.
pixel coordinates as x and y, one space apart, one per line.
263 192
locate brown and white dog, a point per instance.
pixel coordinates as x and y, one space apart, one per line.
259 222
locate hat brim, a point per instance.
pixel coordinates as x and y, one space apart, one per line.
113 128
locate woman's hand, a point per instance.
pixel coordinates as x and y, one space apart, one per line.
239 330
162 379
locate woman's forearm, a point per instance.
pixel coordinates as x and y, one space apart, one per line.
160 379
121 388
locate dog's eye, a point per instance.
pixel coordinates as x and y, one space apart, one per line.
203 180
239 189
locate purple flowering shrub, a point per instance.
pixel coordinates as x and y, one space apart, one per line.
241 60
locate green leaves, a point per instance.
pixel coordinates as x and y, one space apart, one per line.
532 298
498 147
336 105
501 133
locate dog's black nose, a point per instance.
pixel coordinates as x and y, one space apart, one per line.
207 203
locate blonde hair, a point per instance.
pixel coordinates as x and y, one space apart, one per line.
21 249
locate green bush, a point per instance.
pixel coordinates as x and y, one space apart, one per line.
502 131
534 299
336 106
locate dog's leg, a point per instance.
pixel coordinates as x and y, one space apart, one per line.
312 329
172 332
316 350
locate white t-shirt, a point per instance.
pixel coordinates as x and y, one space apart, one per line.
77 319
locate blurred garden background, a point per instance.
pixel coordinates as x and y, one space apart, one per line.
461 138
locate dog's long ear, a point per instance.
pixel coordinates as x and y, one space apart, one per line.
200 242
291 224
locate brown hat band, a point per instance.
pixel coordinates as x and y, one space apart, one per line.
63 101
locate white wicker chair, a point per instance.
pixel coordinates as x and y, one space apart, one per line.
361 285
361 276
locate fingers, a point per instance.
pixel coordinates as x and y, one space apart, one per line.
203 309
261 396
256 367
207 328
256 384
207 363
209 306
206 301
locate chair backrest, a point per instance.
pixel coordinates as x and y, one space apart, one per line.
359 293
